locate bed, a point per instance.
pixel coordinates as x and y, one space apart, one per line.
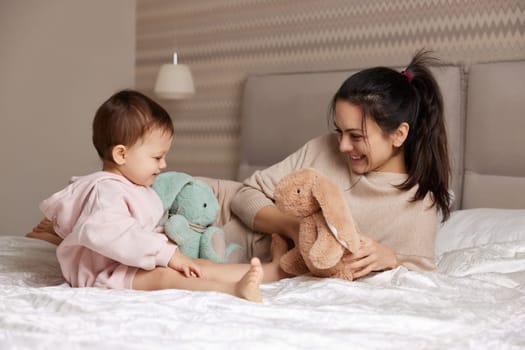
475 300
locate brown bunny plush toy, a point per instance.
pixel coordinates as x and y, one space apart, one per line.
326 230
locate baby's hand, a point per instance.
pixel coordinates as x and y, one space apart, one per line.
183 264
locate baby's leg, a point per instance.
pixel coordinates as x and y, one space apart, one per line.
246 287
234 272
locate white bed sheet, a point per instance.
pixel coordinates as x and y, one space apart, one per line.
455 308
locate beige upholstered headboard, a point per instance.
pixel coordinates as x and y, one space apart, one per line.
495 147
483 110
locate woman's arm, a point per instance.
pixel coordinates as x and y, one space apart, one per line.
253 203
269 219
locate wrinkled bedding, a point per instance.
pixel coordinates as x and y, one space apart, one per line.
476 300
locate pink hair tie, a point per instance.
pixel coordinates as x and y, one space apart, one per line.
409 75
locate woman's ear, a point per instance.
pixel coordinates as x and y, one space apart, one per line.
119 154
400 134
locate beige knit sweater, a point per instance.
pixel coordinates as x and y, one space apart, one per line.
383 212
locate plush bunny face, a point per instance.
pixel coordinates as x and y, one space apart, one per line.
294 194
197 203
182 194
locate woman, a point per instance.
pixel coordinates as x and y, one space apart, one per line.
389 156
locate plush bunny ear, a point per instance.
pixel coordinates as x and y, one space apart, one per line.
336 213
168 185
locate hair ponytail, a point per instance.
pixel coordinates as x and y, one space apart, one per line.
425 151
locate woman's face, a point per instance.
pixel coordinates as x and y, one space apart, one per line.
370 149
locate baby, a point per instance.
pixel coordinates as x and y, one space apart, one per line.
107 221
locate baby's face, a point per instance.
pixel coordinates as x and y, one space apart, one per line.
147 157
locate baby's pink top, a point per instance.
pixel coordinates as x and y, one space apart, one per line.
110 230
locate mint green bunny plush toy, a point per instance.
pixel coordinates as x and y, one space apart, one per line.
191 209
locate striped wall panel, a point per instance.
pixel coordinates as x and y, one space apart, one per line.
224 40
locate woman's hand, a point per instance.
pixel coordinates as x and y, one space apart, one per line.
183 264
372 256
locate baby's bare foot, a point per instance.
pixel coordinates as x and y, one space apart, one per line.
45 231
248 286
45 236
44 225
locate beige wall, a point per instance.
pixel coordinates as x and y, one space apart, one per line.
58 60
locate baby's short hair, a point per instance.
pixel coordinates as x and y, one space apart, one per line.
125 118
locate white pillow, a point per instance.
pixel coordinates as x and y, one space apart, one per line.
508 257
474 227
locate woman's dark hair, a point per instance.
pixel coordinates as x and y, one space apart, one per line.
412 96
124 119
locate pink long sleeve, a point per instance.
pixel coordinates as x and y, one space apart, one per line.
110 230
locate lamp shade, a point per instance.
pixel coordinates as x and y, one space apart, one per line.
174 81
